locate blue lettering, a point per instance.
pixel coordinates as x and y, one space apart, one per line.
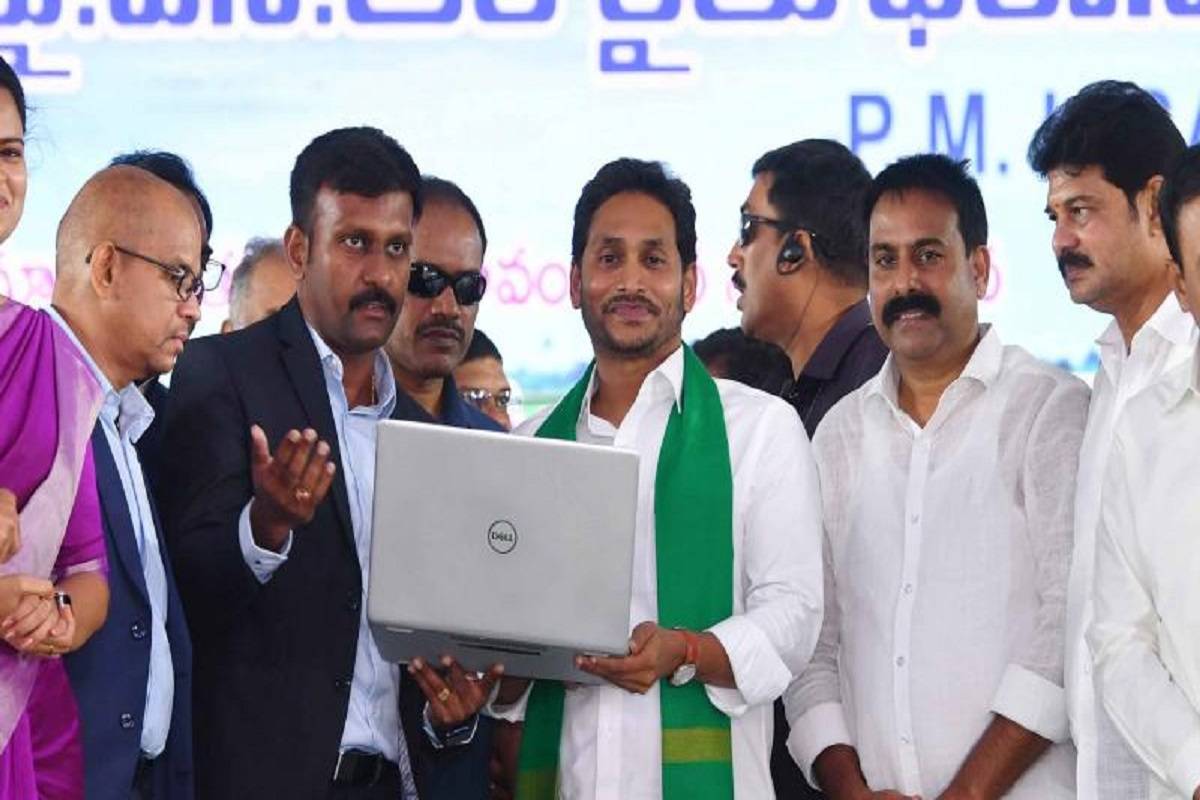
632 55
614 11
17 56
1093 8
1139 8
1183 8
907 9
18 12
1196 130
222 12
361 11
287 12
1000 9
1049 104
859 134
153 13
940 130
708 10
1161 97
488 11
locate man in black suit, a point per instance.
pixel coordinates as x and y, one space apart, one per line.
128 290
292 696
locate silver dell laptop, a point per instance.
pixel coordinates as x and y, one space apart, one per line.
493 548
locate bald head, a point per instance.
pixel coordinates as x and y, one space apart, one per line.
125 205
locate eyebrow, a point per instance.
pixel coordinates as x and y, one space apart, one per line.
928 240
12 139
1075 198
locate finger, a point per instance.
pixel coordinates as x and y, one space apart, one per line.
432 686
26 606
64 631
302 452
260 451
27 584
31 621
641 634
39 634
315 470
322 487
286 450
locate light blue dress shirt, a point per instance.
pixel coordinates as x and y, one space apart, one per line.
124 417
373 715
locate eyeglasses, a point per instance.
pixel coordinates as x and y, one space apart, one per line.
428 281
748 221
482 397
187 285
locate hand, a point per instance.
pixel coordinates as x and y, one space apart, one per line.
35 617
61 639
10 526
454 697
954 792
654 653
288 486
14 589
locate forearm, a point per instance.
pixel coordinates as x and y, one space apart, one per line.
89 602
712 664
1001 756
839 774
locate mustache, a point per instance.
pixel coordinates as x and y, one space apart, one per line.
630 299
738 282
913 301
1072 258
441 323
373 296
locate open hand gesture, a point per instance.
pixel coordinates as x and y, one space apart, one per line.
289 485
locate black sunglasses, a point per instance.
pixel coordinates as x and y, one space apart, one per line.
428 281
748 221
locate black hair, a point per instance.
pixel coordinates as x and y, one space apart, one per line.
176 171
1182 186
933 172
10 81
435 190
1115 125
257 249
818 185
644 177
741 358
363 161
481 347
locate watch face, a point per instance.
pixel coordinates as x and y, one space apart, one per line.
683 675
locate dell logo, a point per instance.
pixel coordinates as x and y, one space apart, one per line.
502 536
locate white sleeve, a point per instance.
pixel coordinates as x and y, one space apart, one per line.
262 562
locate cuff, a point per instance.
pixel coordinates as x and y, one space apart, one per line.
1034 703
454 737
1184 770
759 673
821 727
262 562
510 713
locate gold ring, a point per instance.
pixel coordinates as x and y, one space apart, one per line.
303 495
443 695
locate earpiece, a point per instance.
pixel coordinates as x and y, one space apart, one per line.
791 255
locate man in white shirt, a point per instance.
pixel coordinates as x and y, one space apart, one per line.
1103 153
1146 596
727 575
947 488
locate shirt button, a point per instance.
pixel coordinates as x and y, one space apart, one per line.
905 740
914 519
353 602
908 588
137 630
341 684
127 721
900 661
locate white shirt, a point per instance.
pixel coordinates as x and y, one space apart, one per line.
1107 769
373 714
947 550
611 747
1146 631
124 417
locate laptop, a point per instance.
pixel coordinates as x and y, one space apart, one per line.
493 548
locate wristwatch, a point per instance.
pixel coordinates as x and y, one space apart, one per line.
686 671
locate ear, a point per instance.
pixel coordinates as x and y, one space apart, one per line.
102 265
690 279
295 250
1147 203
576 285
227 326
981 270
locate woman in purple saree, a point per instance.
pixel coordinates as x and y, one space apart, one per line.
53 594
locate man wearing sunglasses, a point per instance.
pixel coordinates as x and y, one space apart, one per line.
128 290
437 319
800 264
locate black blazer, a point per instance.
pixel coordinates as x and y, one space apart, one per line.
273 662
109 673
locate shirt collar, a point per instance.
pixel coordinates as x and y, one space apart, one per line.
127 408
1169 322
983 366
825 359
385 379
668 374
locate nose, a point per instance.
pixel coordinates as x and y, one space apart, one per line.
1064 238
908 275
735 259
190 309
446 304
